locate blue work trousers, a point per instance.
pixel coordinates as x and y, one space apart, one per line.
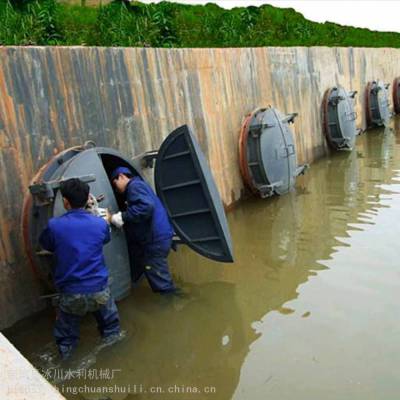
73 307
151 259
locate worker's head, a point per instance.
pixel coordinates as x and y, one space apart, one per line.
120 178
75 193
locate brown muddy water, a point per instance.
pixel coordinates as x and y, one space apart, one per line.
309 310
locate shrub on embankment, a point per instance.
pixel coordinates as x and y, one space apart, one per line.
47 22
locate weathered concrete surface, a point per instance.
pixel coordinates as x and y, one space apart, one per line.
130 99
20 380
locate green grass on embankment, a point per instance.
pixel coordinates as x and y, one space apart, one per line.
47 22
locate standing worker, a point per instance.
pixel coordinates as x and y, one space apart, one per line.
76 238
148 229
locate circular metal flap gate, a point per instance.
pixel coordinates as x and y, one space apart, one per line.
396 95
92 165
340 118
268 160
378 112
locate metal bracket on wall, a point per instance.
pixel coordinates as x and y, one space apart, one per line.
334 100
353 93
44 192
376 89
268 190
301 169
289 118
343 143
146 159
257 129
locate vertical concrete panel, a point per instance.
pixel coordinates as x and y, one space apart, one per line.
131 98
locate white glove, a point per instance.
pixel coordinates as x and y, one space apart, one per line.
116 219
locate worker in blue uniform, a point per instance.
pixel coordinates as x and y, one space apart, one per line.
148 229
76 238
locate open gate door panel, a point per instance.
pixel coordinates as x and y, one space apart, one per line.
185 185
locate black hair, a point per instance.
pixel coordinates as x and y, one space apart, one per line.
75 191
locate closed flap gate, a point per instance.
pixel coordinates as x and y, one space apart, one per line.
268 161
189 194
340 118
378 112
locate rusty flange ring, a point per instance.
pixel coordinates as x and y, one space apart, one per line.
368 103
325 124
243 162
396 97
27 213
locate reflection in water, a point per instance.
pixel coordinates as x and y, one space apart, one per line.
307 311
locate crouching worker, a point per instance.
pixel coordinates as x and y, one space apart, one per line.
76 238
148 230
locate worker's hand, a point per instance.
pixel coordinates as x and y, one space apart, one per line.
116 220
107 216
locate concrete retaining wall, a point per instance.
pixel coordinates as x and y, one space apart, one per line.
130 99
20 379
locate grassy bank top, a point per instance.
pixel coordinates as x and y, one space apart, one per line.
48 22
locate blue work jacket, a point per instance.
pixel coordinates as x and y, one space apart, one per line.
76 238
146 220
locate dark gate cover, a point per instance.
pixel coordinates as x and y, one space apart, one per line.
340 118
185 185
378 102
268 159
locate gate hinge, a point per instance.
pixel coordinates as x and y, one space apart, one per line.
44 192
147 158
